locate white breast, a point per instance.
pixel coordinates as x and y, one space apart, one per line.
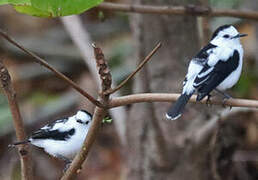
67 148
232 79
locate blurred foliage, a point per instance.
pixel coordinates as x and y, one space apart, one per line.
225 3
217 21
6 117
247 84
119 53
247 81
51 8
101 15
36 99
41 98
16 172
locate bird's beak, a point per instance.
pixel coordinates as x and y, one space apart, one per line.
240 35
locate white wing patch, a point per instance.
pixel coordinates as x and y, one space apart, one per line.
193 70
197 84
201 75
219 54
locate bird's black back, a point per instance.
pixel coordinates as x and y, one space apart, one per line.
203 54
47 132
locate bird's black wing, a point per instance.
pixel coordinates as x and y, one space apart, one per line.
47 132
202 56
53 134
204 53
210 77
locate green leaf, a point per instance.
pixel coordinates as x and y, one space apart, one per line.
64 7
32 11
51 8
107 120
15 2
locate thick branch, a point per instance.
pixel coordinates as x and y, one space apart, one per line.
190 10
147 58
99 114
42 62
166 97
6 85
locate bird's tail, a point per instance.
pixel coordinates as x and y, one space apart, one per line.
18 143
176 109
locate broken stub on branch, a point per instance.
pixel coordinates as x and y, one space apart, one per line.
4 76
103 70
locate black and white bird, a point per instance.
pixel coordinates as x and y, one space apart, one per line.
62 138
217 67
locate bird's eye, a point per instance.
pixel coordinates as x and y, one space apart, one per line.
79 121
226 36
87 122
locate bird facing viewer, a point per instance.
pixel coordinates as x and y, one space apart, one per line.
217 67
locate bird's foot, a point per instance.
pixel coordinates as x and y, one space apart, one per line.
67 165
225 99
225 95
208 101
66 160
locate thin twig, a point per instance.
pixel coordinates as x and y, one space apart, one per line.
190 10
169 97
5 79
99 114
82 39
42 62
140 66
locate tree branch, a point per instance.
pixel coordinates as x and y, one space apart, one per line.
166 97
5 79
147 58
99 114
190 10
42 62
81 38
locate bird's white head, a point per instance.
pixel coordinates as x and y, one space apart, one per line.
226 36
83 117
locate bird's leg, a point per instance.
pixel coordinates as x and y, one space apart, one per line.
66 160
208 101
224 102
225 97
